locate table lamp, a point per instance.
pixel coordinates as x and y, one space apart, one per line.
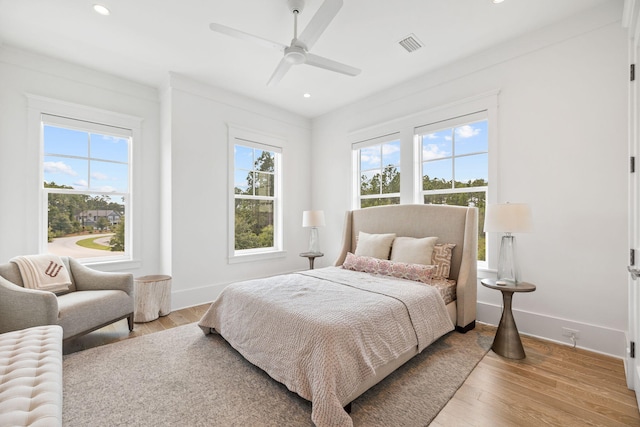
313 219
508 218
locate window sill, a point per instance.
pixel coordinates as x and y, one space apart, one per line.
256 256
114 265
484 272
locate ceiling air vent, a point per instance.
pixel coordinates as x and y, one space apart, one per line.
410 43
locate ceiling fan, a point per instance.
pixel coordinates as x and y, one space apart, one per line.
298 51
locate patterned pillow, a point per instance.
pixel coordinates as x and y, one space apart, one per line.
384 267
441 258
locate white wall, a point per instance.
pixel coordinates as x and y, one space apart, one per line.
562 126
561 136
199 189
23 73
181 196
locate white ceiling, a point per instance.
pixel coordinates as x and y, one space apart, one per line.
143 40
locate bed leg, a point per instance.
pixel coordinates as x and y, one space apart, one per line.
347 408
465 329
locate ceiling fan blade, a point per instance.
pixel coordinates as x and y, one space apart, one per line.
247 37
328 64
320 21
279 73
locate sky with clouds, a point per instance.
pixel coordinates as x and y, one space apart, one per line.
86 161
461 150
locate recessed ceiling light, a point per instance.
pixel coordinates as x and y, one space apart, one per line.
307 95
497 1
102 10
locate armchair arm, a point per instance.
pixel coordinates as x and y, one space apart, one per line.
22 308
87 279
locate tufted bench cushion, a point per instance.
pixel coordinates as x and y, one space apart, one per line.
31 377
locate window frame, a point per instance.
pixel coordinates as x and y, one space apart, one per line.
258 140
356 149
452 123
96 129
98 118
404 127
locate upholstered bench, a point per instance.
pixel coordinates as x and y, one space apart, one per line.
31 377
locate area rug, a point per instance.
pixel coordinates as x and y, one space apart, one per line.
180 377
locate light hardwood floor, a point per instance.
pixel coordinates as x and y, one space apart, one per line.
120 331
554 385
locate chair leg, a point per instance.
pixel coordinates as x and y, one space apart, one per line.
130 322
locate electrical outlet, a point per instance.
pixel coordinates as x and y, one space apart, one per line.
570 333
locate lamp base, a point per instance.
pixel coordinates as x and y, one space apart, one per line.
314 241
507 266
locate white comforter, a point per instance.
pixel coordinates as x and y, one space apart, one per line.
323 332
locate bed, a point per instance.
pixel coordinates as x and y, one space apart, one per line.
332 333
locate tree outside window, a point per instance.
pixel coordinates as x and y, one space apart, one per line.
255 197
379 172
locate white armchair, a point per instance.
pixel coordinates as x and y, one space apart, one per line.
95 299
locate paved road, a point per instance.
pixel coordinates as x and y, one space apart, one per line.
66 246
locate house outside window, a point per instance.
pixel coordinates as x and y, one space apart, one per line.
454 165
378 171
86 170
256 215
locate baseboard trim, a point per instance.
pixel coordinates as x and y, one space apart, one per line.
195 296
592 337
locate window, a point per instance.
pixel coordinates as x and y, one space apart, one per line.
378 169
454 158
256 213
86 185
444 153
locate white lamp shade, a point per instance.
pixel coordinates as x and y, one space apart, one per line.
508 218
313 219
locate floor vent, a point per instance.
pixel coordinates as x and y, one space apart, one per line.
410 43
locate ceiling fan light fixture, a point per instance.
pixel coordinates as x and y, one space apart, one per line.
294 55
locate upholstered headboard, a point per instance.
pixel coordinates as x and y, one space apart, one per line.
451 224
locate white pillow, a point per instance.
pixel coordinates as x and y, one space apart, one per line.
412 250
374 245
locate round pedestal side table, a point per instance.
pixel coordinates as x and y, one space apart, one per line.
507 341
312 256
152 297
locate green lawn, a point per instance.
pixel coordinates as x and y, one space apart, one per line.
91 244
